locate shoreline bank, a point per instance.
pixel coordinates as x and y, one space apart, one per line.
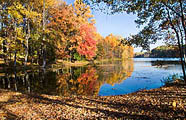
161 103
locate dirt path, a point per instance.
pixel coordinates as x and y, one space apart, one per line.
166 103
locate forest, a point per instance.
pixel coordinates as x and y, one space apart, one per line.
40 32
55 65
163 51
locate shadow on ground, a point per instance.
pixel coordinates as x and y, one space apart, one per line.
163 103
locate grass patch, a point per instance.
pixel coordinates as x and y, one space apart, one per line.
173 79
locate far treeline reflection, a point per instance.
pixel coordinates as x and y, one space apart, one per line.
68 80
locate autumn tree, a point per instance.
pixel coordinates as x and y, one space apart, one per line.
69 25
159 18
113 46
87 46
14 30
100 53
21 29
86 29
64 28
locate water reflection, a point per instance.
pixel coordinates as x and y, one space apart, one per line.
77 80
115 72
106 78
147 74
88 80
29 81
159 63
67 81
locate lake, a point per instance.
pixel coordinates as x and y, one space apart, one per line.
104 79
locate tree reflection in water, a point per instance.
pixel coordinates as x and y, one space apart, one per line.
67 81
90 79
80 83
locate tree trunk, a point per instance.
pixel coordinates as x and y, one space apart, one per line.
183 24
10 56
15 80
181 57
27 81
183 18
4 41
5 50
44 49
15 57
44 57
27 38
181 54
179 45
182 43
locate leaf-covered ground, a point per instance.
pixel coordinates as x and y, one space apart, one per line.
166 103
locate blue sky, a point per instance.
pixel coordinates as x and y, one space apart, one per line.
119 24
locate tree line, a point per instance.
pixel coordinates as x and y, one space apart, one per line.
41 31
161 20
163 51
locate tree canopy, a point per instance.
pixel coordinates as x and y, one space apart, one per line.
161 20
152 14
40 31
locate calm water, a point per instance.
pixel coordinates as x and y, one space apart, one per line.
105 79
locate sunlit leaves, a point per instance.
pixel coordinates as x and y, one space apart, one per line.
83 12
16 11
64 28
88 45
114 47
69 33
73 30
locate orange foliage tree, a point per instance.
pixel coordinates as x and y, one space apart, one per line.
87 46
64 29
72 29
112 47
